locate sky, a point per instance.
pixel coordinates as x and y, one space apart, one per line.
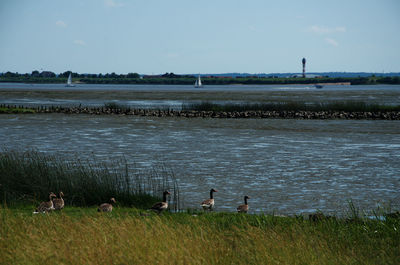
208 36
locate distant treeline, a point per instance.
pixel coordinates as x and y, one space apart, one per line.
171 78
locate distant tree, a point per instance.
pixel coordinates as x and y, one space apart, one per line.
47 74
35 73
133 75
170 75
11 74
66 74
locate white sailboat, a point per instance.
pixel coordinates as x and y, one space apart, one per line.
198 84
69 81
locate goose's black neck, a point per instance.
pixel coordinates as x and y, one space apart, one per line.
164 197
245 200
211 194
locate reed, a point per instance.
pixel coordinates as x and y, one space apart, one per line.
348 106
116 106
27 177
6 109
125 237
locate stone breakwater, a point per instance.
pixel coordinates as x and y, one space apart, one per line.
281 114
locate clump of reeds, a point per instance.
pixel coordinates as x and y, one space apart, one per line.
30 176
116 106
348 106
7 109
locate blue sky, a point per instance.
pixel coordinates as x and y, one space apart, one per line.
209 36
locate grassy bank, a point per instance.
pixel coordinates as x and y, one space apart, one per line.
15 110
83 236
28 177
348 106
280 110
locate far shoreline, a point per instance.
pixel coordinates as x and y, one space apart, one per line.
206 80
77 83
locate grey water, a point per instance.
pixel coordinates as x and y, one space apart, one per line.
285 166
173 96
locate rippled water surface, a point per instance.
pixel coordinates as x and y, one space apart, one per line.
286 166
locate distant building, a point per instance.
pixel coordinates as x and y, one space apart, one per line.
220 77
305 76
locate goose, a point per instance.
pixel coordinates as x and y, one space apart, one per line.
106 207
243 208
159 207
59 202
209 203
45 207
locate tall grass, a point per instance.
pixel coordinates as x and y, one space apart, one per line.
15 109
349 106
116 106
125 237
30 176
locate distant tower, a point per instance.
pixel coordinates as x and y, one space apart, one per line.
304 67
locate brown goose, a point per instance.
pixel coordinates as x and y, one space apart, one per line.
45 207
59 202
244 207
159 207
209 203
106 207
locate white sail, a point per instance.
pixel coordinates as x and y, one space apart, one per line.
69 81
198 82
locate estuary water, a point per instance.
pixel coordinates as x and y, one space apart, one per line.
173 96
285 166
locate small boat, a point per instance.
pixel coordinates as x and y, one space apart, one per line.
69 81
198 84
319 86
